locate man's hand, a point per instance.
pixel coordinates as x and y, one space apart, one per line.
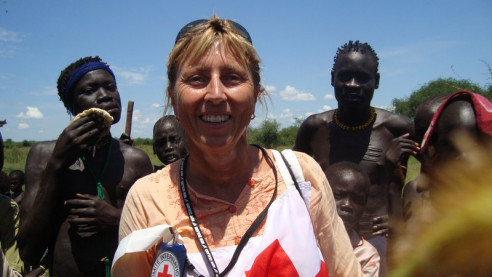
77 137
380 226
126 139
88 213
401 148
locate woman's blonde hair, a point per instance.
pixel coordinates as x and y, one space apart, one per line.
196 41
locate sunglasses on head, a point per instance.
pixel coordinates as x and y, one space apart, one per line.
190 26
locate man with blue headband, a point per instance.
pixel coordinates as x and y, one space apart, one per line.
76 185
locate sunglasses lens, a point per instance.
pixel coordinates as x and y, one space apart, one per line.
188 27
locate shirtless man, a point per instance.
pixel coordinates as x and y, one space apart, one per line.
376 139
169 140
76 185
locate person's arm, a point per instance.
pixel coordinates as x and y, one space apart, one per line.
304 136
329 229
45 167
132 219
93 214
402 146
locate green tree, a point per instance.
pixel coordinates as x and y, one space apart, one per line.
267 135
287 136
407 106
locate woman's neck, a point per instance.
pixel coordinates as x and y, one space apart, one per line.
223 175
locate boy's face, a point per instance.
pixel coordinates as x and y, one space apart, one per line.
350 191
169 143
16 181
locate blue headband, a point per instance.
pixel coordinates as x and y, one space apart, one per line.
79 72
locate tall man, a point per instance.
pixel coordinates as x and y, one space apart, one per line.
376 139
76 185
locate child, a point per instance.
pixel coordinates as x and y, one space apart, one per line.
350 186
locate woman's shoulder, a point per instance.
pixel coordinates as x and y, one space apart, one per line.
156 181
310 168
305 159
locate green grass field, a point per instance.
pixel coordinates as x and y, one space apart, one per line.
15 158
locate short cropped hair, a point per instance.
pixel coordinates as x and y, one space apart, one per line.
171 119
337 169
351 46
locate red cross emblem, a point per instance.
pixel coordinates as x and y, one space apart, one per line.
164 272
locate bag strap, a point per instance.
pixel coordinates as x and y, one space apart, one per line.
289 168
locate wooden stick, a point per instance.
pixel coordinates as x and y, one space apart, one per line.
129 115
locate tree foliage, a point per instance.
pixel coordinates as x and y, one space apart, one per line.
407 106
269 135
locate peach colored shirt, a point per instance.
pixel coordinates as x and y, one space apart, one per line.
155 199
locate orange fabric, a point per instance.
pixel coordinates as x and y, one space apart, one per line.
155 199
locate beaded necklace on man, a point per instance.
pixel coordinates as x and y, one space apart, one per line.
372 118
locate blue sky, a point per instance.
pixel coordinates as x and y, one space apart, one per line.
417 41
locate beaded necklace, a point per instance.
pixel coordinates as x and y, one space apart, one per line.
371 119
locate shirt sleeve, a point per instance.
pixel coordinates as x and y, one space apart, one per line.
330 232
134 217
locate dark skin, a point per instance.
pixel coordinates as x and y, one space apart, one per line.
350 190
169 142
61 209
458 116
381 149
412 195
16 182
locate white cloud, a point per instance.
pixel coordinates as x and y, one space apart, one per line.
9 36
286 113
32 113
139 118
292 94
156 106
23 125
134 77
270 89
390 108
325 108
329 96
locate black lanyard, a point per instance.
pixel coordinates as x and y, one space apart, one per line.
196 227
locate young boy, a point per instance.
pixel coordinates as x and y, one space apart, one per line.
350 186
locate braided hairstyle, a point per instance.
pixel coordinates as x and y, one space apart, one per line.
67 73
361 47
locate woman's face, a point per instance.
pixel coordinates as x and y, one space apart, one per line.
214 99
